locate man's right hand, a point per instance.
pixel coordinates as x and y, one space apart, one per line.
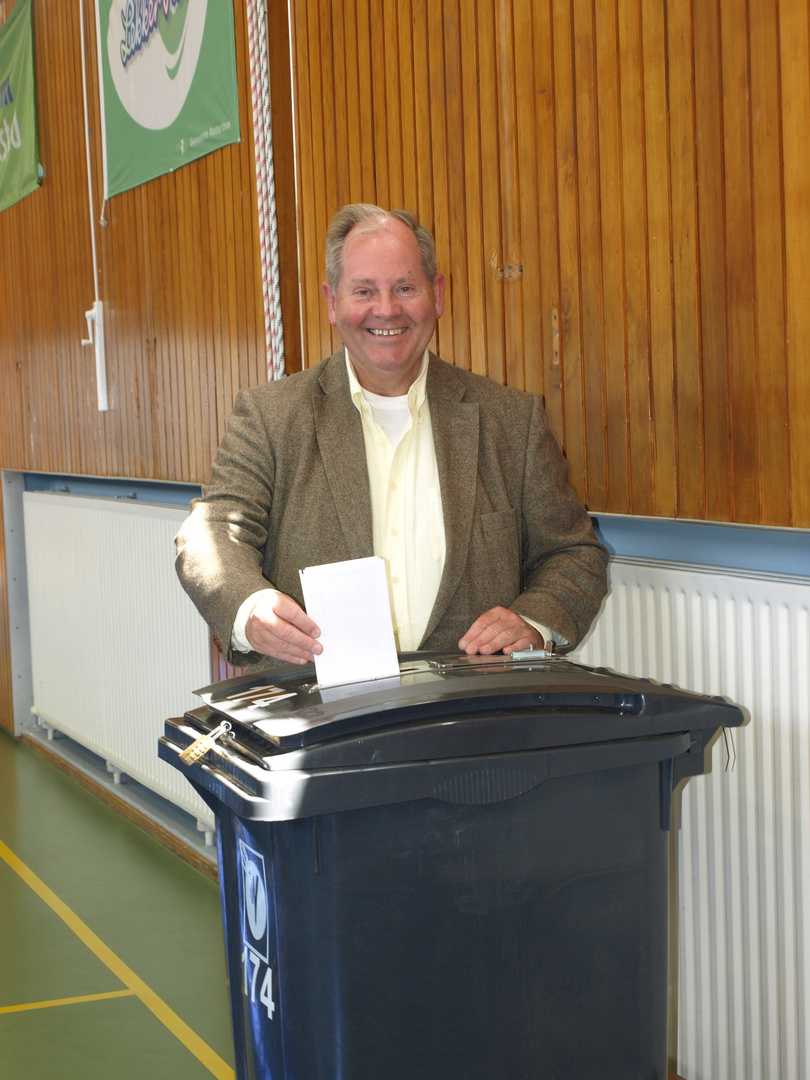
279 627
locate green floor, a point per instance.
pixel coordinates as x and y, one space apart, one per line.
111 955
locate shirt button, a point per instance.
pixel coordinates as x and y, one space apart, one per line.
395 532
395 581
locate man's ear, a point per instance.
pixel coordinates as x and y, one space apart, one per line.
331 300
438 295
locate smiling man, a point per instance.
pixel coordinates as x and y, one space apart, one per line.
384 449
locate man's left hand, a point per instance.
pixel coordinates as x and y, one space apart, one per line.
500 630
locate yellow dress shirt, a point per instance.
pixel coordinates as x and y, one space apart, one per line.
406 500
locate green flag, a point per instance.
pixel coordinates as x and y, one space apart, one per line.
19 138
168 85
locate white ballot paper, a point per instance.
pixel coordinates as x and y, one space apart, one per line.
349 602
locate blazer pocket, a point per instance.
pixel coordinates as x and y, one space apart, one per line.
498 522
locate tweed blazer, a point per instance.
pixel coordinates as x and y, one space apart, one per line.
289 489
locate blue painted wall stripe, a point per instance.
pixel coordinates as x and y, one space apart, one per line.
739 547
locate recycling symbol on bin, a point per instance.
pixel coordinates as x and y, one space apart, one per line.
254 884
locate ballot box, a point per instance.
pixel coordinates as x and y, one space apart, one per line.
457 873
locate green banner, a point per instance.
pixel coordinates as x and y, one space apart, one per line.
19 138
168 81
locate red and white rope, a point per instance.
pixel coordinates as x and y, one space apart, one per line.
265 186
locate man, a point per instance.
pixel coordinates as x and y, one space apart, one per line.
456 481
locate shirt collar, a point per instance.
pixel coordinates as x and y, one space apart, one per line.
416 393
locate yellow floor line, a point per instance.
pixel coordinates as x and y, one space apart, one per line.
190 1039
65 1001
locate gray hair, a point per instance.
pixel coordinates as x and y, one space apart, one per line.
369 218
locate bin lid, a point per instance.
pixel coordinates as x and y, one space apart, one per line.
290 711
297 749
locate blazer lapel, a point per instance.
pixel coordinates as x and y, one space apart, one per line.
342 448
455 426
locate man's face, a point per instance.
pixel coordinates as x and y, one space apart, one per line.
385 307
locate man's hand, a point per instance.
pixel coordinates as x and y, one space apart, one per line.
500 630
279 627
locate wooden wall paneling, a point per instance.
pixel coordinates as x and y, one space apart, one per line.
130 358
171 445
612 105
61 244
379 91
278 50
156 393
689 447
210 338
422 114
740 260
217 352
142 461
38 315
660 258
119 265
769 284
228 376
568 165
177 333
324 80
385 39
408 133
365 150
47 435
454 249
12 365
492 193
307 180
437 147
223 274
636 261
230 271
528 174
548 215
340 37
42 330
121 362
322 84
187 216
712 247
207 337
795 84
636 264
510 274
248 350
590 253
353 105
475 157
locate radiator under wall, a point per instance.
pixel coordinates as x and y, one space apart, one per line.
743 918
116 645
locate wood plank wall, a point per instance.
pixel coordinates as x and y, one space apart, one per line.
180 278
619 193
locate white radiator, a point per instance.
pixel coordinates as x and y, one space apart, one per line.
744 844
116 645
